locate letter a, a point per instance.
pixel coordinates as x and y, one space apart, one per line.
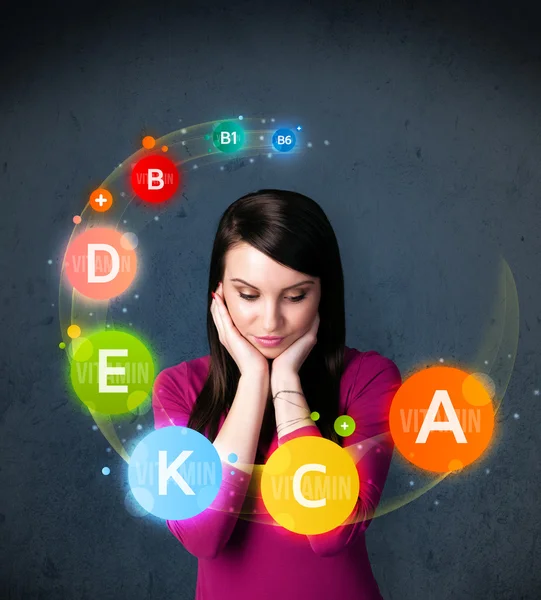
441 397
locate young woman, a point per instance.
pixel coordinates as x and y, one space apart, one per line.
276 272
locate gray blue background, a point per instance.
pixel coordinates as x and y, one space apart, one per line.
432 111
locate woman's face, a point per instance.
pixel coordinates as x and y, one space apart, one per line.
281 302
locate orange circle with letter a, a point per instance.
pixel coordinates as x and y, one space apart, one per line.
442 419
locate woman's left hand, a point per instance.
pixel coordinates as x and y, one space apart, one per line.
292 358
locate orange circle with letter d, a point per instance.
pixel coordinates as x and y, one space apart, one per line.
442 419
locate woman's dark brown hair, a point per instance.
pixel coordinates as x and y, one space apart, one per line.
294 231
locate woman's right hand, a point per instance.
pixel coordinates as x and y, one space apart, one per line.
248 358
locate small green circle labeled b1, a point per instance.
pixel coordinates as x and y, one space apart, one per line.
228 137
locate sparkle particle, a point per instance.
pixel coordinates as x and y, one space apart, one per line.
241 117
261 137
106 470
269 155
49 262
309 144
263 120
136 296
441 360
487 471
156 218
516 416
94 428
326 142
536 392
183 131
107 449
436 502
139 427
411 483
124 309
486 362
298 128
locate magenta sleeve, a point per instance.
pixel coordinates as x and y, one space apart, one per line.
207 533
376 382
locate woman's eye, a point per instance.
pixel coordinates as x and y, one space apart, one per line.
252 298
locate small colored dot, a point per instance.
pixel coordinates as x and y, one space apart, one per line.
106 470
231 493
232 472
61 345
107 449
124 310
314 416
139 427
74 331
49 262
149 142
165 148
232 458
94 427
76 219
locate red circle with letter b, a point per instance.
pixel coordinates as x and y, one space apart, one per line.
155 179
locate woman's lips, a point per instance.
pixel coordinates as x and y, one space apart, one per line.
269 342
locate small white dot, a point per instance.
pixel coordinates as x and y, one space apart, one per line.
139 427
136 296
124 310
241 117
222 168
436 502
50 262
269 155
441 360
125 221
272 120
182 131
309 144
195 167
180 120
411 482
263 120
516 415
183 143
326 142
108 325
487 471
251 160
123 440
119 164
156 218
123 194
107 449
536 392
261 137
90 314
486 362
130 323
508 356
94 427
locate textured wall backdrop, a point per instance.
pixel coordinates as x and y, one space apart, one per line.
432 172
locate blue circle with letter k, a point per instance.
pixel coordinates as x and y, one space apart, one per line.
175 473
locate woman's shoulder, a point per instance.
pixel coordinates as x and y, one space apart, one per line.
361 367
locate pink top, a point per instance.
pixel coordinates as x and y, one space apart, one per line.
242 559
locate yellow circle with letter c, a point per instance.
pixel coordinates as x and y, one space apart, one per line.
310 485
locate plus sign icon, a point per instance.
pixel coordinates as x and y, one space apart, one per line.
101 200
155 179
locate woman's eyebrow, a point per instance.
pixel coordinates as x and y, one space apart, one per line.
287 288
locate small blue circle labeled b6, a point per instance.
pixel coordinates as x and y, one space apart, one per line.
284 140
175 473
